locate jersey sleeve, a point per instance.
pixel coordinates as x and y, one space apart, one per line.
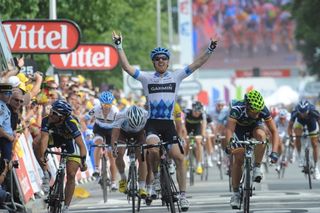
182 73
45 124
73 126
119 119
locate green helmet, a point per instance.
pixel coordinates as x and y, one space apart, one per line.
255 100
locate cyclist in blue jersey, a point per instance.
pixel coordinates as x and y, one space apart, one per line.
245 120
161 88
306 115
57 129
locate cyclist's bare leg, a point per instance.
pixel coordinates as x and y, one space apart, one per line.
153 153
72 168
236 168
314 143
198 149
142 170
298 133
178 158
113 168
120 162
187 145
97 152
259 134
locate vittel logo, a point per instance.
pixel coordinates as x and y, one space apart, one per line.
87 57
43 36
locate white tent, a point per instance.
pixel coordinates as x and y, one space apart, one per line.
284 95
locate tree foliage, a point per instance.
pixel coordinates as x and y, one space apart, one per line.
135 19
308 32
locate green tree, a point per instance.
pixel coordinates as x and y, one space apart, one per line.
135 19
308 32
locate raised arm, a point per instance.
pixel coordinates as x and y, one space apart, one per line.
203 58
117 39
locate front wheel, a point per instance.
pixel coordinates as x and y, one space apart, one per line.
104 179
308 168
247 187
55 197
166 192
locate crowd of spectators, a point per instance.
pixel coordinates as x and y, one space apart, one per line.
244 24
26 99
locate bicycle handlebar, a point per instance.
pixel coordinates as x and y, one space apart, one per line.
251 142
160 144
63 154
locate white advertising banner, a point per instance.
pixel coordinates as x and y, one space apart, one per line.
185 31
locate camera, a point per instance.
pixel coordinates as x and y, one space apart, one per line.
14 164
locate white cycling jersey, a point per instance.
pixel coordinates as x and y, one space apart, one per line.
282 127
100 119
121 121
161 91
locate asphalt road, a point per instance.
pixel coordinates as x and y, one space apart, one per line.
291 194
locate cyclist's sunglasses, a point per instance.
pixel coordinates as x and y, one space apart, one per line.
106 105
163 58
52 112
253 110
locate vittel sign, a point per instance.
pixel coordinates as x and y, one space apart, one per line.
42 36
87 57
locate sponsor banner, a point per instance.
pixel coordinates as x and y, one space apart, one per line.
185 31
22 172
87 57
42 36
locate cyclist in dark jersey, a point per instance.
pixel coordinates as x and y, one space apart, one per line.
306 116
196 122
57 129
245 120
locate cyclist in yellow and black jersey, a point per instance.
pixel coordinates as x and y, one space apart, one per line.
57 129
196 122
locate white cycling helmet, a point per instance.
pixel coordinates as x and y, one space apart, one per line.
135 116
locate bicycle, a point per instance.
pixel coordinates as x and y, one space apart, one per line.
132 191
285 157
169 192
56 193
308 167
220 156
104 180
205 165
246 179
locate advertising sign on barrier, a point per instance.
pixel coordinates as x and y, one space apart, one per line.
42 36
87 57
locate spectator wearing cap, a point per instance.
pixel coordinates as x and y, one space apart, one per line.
6 133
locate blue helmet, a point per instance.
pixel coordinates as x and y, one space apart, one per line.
303 106
62 107
106 97
159 50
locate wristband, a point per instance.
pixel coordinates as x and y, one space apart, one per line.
118 43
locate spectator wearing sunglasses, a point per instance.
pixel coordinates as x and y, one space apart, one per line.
15 105
6 133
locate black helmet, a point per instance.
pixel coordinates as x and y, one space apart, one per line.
197 106
62 107
303 106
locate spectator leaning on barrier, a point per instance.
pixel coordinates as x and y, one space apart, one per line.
6 132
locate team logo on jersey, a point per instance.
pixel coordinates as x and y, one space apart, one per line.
162 88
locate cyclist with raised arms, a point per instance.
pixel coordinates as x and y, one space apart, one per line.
196 123
57 129
246 119
104 114
161 89
130 124
306 115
